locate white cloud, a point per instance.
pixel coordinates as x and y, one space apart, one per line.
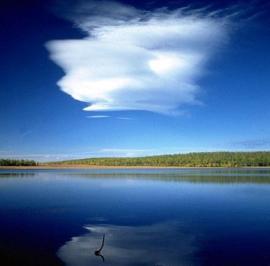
98 116
137 60
124 118
91 153
122 152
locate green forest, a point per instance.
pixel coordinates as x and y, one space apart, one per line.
13 162
201 159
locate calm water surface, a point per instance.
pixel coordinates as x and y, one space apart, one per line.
147 217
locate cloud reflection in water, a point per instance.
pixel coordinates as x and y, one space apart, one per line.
158 244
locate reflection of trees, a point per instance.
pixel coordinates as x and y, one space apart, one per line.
16 174
196 177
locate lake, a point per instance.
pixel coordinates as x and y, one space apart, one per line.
146 217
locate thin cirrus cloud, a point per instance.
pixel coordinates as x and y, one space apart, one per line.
132 59
108 116
98 116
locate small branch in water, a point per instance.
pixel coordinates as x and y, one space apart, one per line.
98 251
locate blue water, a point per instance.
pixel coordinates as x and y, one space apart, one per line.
147 217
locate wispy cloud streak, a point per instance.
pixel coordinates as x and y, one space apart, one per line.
137 60
98 116
252 144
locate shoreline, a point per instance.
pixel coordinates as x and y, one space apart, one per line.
59 167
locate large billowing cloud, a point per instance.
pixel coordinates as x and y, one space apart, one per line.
137 60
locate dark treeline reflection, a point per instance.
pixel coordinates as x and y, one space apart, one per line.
220 176
192 179
16 174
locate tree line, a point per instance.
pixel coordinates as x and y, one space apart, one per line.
201 159
14 162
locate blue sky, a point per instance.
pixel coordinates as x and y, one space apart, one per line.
133 78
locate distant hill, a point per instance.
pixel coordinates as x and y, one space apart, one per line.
201 159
